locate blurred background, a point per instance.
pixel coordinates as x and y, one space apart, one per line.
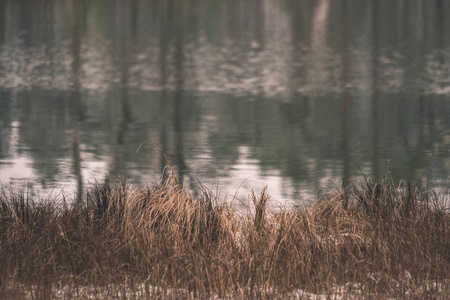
299 95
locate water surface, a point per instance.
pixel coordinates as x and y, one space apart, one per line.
297 95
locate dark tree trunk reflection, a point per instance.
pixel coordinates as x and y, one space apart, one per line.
375 87
345 93
121 112
179 87
164 40
75 96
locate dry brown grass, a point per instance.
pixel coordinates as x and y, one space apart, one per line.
161 242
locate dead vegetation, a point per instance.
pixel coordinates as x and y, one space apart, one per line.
374 238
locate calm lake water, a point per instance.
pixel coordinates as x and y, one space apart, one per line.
297 95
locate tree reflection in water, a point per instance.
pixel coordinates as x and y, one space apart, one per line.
302 93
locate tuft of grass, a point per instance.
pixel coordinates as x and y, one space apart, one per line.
375 239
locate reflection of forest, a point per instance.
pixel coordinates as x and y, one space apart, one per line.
238 47
318 90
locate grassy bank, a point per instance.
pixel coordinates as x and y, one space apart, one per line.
160 242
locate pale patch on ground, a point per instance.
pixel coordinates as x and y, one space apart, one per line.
142 291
